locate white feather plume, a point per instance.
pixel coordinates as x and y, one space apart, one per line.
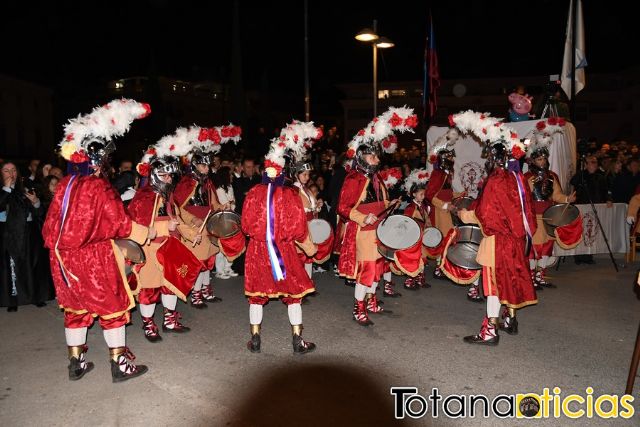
417 176
395 119
106 122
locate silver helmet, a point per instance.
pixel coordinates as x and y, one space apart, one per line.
160 167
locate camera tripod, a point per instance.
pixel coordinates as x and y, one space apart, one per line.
549 107
583 185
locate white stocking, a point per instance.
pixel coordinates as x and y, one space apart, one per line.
360 291
169 301
309 269
75 336
544 261
146 310
255 314
295 314
493 306
198 286
387 276
115 337
532 264
374 286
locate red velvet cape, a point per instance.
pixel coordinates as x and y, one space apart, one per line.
95 216
500 215
290 225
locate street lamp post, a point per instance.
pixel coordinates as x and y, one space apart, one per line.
371 36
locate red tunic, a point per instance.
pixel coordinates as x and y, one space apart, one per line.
94 218
290 226
364 264
500 215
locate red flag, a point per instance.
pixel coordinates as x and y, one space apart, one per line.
431 74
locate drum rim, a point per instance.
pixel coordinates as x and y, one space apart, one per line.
424 233
404 218
134 244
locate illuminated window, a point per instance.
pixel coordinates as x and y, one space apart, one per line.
383 94
119 85
398 93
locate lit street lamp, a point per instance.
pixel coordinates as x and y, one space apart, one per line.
371 36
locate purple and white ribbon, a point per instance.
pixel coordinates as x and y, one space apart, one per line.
275 258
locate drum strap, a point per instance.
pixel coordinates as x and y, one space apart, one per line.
523 202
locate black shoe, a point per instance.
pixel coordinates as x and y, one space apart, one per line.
254 343
476 339
349 282
12 309
75 368
214 299
512 329
41 304
118 376
301 346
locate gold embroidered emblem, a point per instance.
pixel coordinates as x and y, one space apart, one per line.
183 270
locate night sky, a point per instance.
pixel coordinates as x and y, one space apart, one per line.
66 43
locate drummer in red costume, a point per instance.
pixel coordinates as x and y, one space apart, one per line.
439 191
196 194
504 212
414 187
362 199
275 221
546 190
390 178
84 218
301 173
154 204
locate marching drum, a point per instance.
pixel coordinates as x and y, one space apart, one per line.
214 240
431 237
467 242
558 216
223 224
132 252
469 234
464 255
460 203
397 232
320 231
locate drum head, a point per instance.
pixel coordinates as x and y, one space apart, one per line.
214 240
223 224
464 255
431 237
559 215
320 230
398 232
131 250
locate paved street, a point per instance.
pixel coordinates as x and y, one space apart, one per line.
579 335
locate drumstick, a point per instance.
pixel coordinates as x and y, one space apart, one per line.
564 210
153 214
204 223
389 208
387 216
